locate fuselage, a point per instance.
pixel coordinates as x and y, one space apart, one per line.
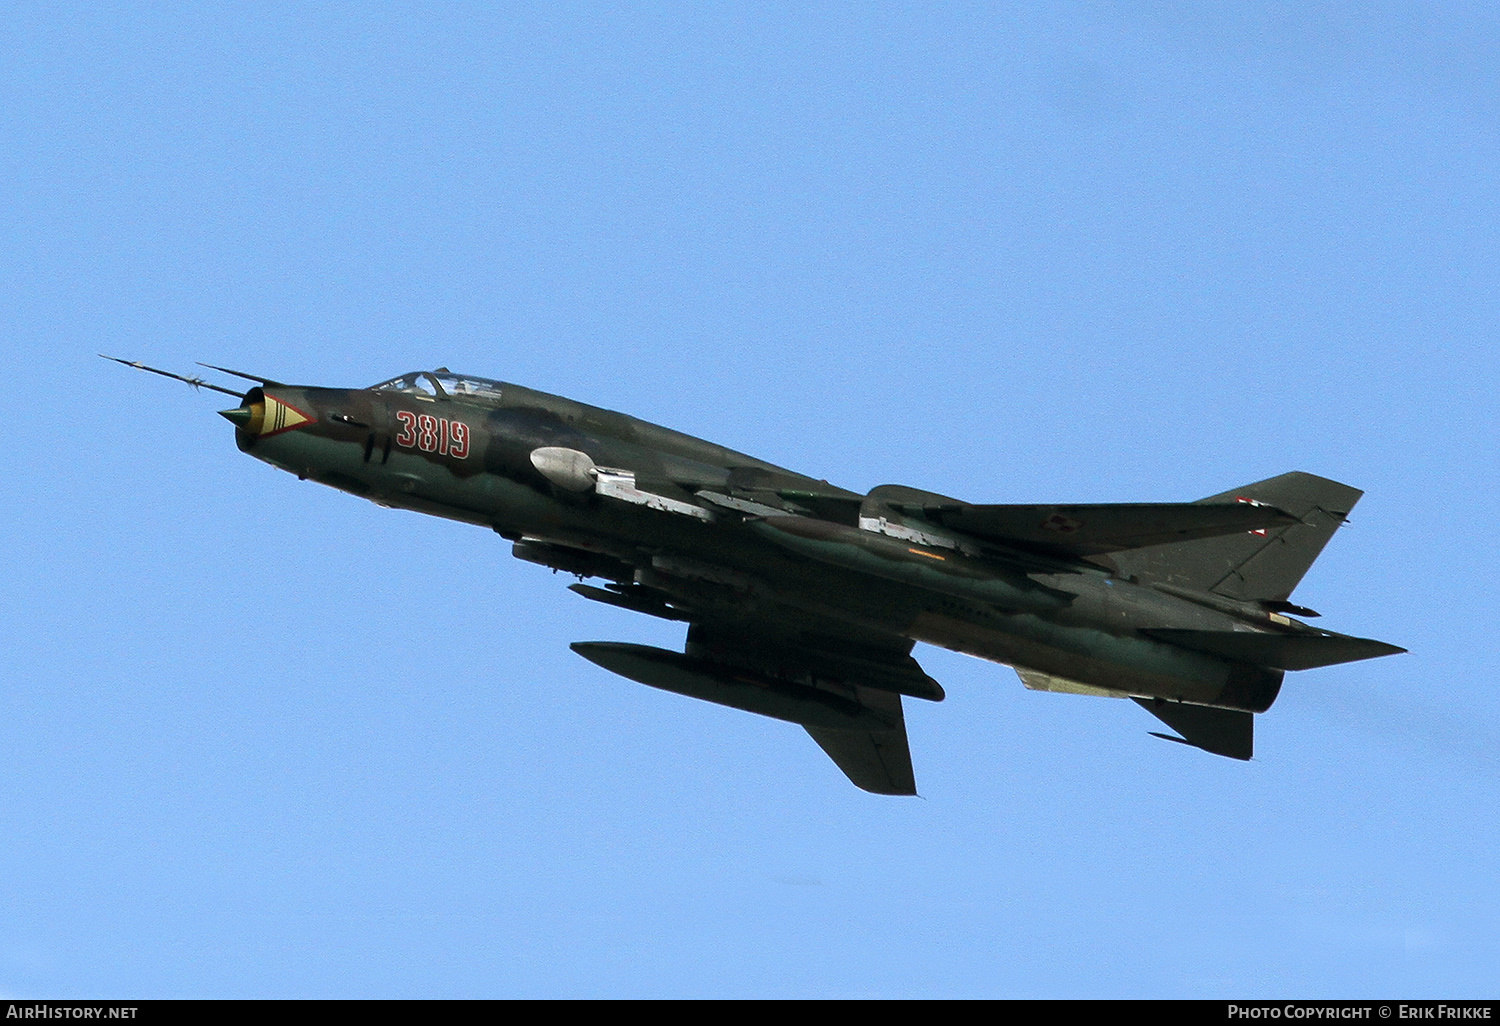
701 523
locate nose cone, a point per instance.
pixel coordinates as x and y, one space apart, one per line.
264 415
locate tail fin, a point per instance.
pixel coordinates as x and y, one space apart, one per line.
1258 566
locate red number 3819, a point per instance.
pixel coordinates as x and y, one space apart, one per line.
433 434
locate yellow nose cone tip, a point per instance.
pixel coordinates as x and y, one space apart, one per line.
239 416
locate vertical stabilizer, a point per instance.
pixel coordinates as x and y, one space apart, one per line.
1258 566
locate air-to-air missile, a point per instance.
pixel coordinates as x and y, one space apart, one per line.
803 600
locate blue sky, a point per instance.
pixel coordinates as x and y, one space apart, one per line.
265 739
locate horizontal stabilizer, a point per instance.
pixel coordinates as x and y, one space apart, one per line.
1277 651
1220 731
1092 530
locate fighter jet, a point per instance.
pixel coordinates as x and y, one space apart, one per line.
803 600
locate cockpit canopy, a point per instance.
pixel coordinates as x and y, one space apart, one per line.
444 384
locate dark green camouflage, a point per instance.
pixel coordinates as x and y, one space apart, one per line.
804 600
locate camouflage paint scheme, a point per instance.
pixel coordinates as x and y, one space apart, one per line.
803 599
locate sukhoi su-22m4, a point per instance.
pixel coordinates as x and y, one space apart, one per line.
803 600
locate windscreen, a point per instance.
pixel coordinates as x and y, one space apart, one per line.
418 382
464 386
444 383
